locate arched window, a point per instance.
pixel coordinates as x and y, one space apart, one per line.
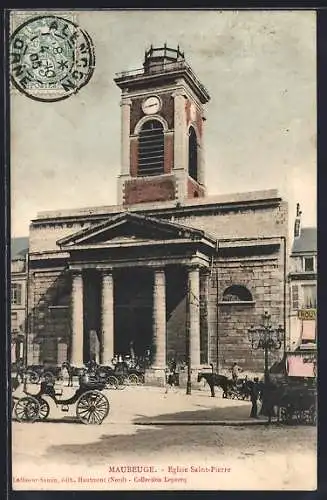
192 154
237 293
151 149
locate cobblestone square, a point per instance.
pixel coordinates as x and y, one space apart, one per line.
174 441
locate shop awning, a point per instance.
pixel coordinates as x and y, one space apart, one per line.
309 329
297 367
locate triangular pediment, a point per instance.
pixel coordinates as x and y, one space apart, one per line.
129 228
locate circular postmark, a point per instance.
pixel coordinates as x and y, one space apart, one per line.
51 58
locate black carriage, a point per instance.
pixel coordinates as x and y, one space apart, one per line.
92 407
238 389
297 403
119 376
36 373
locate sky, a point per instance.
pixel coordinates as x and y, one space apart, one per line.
260 70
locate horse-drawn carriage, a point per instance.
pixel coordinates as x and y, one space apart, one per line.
297 391
36 373
92 407
233 389
116 377
121 375
297 402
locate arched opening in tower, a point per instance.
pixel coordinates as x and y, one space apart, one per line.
151 149
192 155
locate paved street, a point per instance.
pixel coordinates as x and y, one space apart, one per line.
63 454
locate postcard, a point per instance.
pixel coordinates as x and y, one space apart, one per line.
163 249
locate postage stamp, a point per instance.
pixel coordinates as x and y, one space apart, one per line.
51 58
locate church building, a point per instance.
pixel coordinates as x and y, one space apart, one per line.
168 268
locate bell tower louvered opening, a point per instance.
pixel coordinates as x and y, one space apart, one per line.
151 149
193 155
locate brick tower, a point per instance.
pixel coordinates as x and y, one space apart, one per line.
162 119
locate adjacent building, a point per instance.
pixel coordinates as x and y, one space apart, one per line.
168 267
303 298
19 252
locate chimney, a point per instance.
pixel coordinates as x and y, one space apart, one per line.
297 223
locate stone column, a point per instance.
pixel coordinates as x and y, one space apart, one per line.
125 133
107 311
76 355
159 319
204 298
194 316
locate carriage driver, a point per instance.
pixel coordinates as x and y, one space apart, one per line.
236 369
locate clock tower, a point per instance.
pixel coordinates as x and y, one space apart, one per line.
162 118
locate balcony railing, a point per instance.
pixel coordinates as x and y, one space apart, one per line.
160 67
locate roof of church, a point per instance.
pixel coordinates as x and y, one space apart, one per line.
306 242
19 247
211 200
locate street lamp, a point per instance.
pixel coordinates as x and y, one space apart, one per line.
267 338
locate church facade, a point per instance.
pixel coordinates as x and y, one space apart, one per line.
168 268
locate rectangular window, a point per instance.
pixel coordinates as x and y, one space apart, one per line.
16 294
308 264
309 296
295 297
14 322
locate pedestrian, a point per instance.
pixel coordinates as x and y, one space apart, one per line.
171 379
132 350
254 395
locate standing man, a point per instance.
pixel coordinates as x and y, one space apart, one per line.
254 395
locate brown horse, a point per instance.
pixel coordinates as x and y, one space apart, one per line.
213 379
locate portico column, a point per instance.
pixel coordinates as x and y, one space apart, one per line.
204 298
194 316
107 311
159 319
76 356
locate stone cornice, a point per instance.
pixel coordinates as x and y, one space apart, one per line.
209 205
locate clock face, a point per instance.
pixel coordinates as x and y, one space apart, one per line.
151 105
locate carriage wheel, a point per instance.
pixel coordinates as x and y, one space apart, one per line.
113 382
284 415
13 404
27 409
121 382
132 379
141 379
49 377
33 377
92 407
299 416
44 409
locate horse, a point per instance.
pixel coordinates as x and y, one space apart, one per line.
213 379
71 371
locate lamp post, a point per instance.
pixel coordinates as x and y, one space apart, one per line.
267 338
190 297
